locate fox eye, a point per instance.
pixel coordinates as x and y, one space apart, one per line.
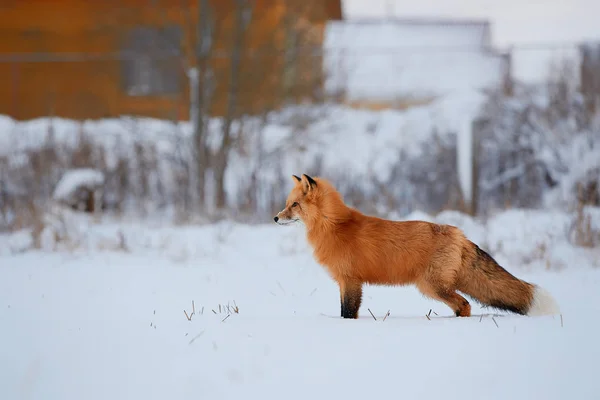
295 204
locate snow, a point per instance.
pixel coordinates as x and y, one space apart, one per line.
105 319
537 65
76 179
352 132
395 60
19 242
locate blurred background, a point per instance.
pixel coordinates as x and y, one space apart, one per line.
201 110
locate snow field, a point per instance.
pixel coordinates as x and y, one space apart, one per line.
100 322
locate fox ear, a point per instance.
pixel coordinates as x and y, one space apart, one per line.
296 179
308 183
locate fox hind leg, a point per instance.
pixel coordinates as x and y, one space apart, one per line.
350 298
455 301
440 281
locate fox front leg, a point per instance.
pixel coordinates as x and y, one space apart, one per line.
350 299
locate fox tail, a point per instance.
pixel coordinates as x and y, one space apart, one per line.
491 285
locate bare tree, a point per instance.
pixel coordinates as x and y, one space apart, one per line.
196 67
233 87
201 99
243 15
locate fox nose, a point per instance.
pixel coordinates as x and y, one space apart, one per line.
276 219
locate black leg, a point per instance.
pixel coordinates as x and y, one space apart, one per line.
351 298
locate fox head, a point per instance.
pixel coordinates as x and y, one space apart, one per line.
300 201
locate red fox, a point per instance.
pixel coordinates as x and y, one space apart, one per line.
358 249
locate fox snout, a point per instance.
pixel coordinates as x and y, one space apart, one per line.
279 218
285 217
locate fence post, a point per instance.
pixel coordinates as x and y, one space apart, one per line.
590 75
477 128
508 85
471 156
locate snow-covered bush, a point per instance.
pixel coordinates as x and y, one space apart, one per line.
77 188
380 160
585 227
539 148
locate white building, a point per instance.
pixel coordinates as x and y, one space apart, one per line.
395 60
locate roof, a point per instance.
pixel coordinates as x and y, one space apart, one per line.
420 21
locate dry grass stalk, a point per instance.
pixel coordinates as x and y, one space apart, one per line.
196 337
189 317
228 308
386 315
281 287
372 314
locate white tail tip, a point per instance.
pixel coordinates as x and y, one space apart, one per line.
543 303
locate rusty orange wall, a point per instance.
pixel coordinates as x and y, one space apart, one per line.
92 89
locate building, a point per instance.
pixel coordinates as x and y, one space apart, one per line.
96 59
395 62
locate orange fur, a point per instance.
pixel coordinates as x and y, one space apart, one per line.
357 249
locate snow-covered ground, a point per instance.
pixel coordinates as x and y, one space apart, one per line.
100 315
